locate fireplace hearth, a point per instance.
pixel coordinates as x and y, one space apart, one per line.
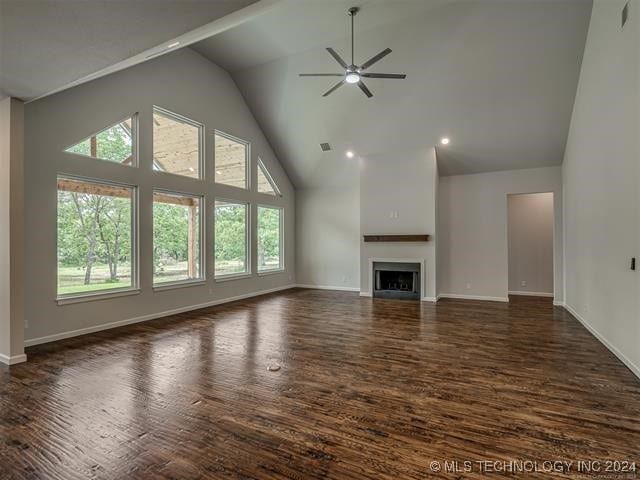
399 280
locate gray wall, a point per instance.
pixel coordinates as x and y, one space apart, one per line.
530 228
398 196
601 174
328 237
472 238
183 82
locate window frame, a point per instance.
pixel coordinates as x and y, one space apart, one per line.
135 156
281 268
201 141
134 289
247 164
265 171
202 277
248 244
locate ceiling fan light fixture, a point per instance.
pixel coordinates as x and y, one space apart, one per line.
352 77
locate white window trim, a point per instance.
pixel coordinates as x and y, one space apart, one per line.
94 296
134 142
232 276
201 141
202 277
247 164
265 171
281 267
160 287
135 248
247 272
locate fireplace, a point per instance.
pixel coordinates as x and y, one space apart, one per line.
396 280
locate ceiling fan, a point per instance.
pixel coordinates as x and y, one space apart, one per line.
354 73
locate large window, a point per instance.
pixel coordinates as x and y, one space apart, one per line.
176 144
114 144
269 239
95 236
231 238
231 161
176 238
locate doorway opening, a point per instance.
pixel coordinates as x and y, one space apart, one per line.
530 221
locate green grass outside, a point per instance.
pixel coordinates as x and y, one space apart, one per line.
71 279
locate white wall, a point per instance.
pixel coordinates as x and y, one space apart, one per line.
328 237
11 231
406 184
530 227
183 82
601 174
472 240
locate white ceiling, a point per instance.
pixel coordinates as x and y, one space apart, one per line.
47 44
497 76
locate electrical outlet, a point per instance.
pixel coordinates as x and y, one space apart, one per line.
523 283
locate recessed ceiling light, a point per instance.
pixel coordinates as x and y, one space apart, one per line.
350 154
173 45
352 77
218 172
445 141
191 169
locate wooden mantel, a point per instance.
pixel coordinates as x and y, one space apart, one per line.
397 238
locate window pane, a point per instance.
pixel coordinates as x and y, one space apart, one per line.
95 241
266 184
176 237
231 238
269 241
231 158
114 144
176 144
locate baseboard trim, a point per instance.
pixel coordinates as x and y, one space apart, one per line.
429 299
558 303
621 356
365 294
328 287
473 297
13 359
532 294
144 318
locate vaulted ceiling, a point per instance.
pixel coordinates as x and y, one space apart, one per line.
496 76
45 44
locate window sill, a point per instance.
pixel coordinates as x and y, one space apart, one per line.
160 287
271 272
91 297
233 276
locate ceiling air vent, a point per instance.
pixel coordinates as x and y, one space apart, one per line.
325 147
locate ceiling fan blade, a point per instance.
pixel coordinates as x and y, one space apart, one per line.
334 88
364 88
373 60
321 74
384 75
338 58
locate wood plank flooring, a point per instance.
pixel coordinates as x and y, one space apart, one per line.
367 389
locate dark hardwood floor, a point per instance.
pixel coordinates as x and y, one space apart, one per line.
367 388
